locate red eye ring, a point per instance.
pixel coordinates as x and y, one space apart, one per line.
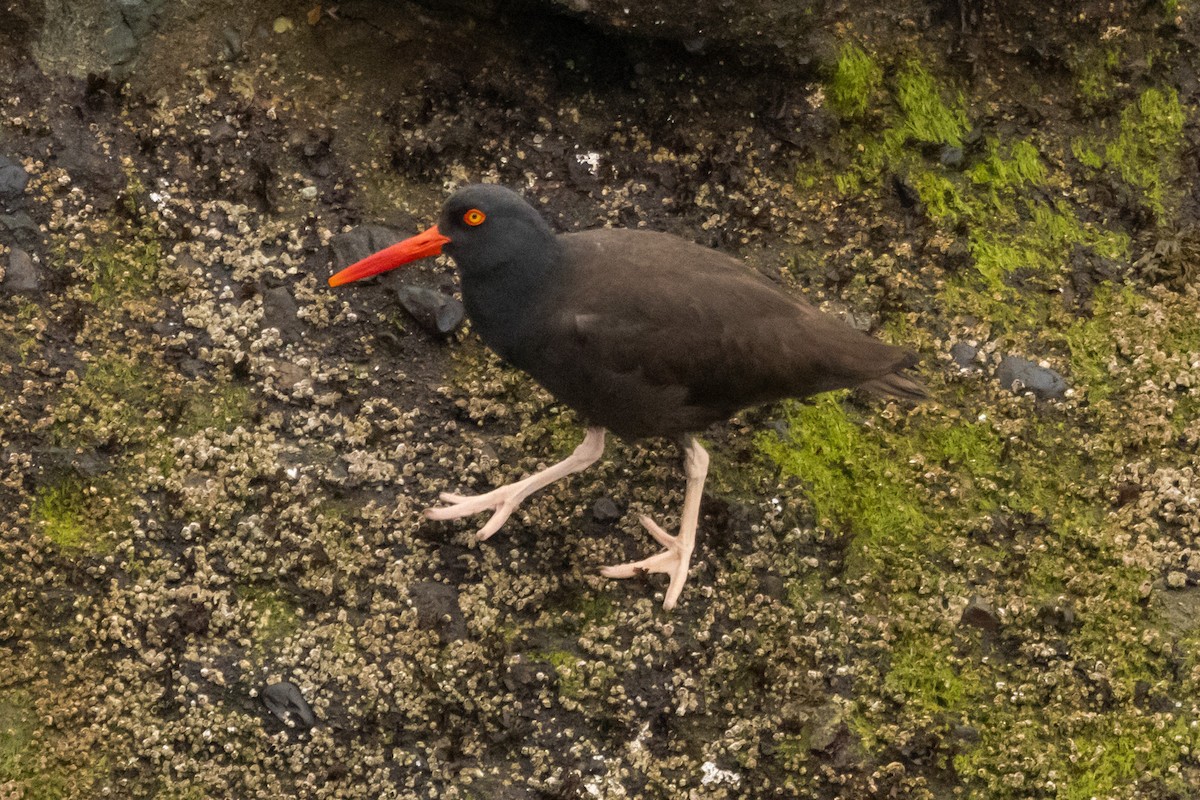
474 217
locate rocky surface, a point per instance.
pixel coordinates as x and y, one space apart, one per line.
214 577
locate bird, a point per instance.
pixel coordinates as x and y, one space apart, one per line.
644 334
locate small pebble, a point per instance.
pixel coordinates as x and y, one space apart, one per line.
605 510
286 702
1020 375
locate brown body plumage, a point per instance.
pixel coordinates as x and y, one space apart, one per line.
647 334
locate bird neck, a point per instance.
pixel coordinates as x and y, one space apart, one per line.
505 299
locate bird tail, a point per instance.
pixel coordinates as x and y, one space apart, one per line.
896 384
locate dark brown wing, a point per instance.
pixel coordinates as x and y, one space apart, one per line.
654 335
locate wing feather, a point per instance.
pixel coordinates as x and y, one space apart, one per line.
652 334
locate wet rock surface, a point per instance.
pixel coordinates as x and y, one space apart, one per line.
22 274
1021 375
287 703
13 179
212 466
433 310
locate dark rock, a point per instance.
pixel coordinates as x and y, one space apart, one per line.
192 367
906 193
280 312
87 463
13 179
951 157
527 677
438 610
193 618
605 510
1020 375
1127 492
89 166
756 31
357 244
120 45
966 733
289 375
828 729
22 274
434 311
20 21
20 228
285 701
958 256
980 614
1060 616
963 354
774 587
232 48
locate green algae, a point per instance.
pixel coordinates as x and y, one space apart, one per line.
121 271
77 515
926 117
934 681
566 667
19 338
22 743
119 398
1095 78
918 111
219 406
275 616
850 475
855 80
61 512
1143 150
922 672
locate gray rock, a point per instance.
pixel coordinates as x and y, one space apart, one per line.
20 228
120 45
1020 375
232 48
827 728
434 311
605 510
285 701
22 274
280 312
13 179
357 244
963 354
951 157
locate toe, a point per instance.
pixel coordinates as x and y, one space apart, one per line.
655 530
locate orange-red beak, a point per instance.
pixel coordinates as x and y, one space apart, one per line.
424 244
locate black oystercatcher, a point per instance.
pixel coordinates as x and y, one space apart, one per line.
644 334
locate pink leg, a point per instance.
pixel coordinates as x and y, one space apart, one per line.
677 552
505 499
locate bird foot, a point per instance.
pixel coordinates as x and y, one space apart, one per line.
673 561
501 502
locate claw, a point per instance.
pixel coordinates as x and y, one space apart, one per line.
672 561
677 550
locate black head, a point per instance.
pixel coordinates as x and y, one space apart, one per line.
491 227
489 231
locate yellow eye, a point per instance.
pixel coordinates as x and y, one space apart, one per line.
474 217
